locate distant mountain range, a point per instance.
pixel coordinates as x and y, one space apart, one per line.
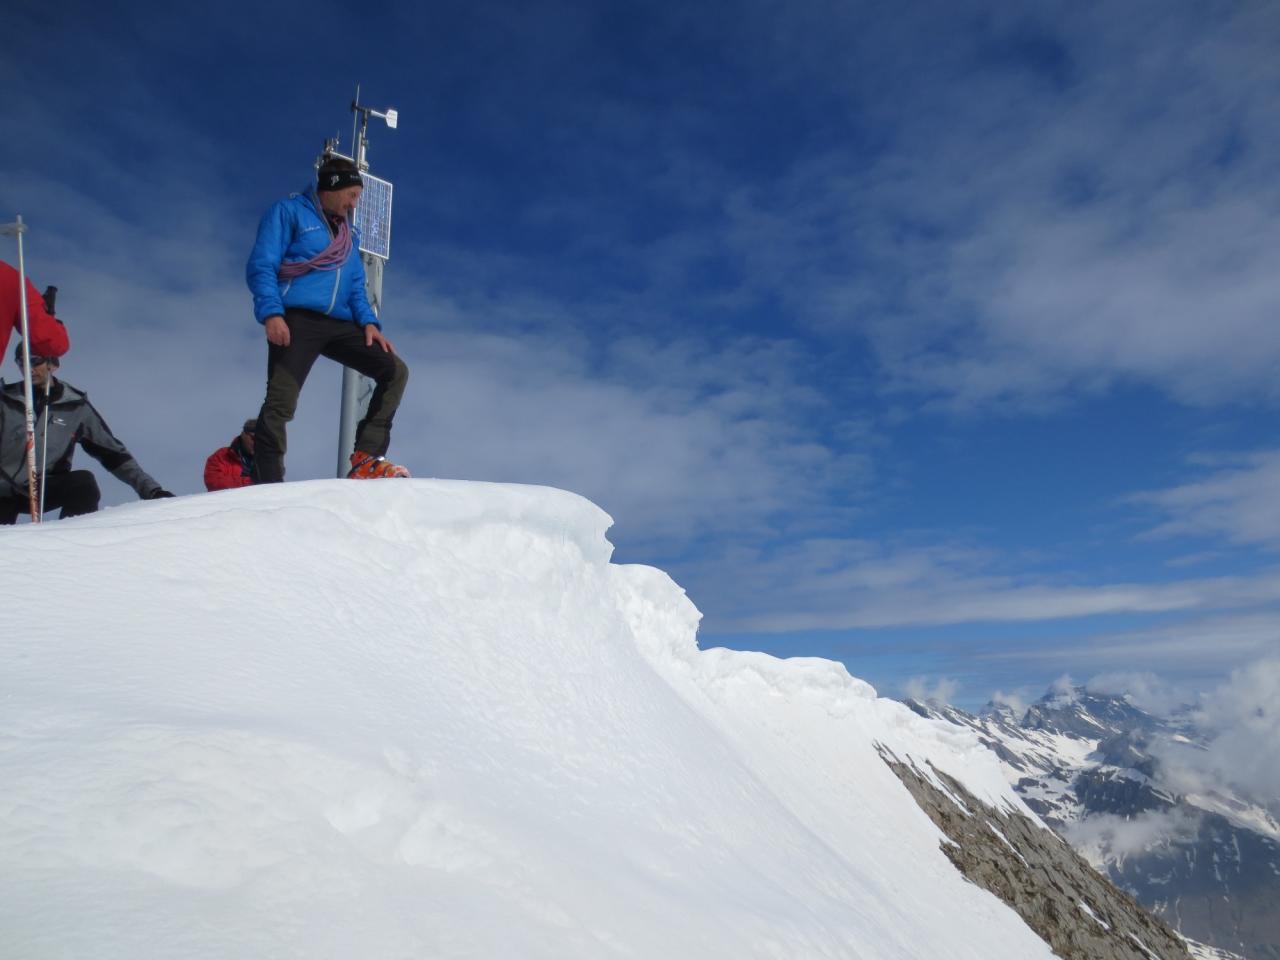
1093 767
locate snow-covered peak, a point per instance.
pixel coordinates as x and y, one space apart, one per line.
1002 712
429 718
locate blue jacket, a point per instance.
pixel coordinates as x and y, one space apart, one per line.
294 230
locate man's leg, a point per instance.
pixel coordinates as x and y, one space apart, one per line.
75 491
389 373
287 369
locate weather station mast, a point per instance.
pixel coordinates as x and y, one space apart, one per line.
373 222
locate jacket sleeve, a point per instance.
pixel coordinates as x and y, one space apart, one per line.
358 300
275 233
48 335
101 444
224 471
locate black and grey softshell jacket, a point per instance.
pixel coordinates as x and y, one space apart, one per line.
72 419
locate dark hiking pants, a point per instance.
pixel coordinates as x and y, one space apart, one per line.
314 335
75 491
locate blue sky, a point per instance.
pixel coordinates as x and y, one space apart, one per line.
939 338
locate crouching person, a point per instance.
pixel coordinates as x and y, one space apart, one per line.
232 466
69 418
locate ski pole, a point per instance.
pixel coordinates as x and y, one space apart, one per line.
50 298
18 228
44 443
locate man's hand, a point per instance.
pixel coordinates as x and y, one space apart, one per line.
277 331
373 335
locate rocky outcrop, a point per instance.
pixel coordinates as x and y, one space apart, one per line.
1091 767
1077 911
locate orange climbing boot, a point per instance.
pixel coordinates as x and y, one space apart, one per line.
364 466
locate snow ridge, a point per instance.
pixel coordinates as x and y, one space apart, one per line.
432 718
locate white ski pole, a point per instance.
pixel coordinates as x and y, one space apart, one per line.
50 299
44 442
18 228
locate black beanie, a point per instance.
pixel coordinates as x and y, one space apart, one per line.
331 178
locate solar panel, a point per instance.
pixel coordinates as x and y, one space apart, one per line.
373 217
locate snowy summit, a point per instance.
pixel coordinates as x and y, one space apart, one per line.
432 719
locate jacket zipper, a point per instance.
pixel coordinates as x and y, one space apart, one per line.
337 278
337 274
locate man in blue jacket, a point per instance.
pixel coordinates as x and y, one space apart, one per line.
308 290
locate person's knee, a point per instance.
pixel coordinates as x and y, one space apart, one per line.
83 481
78 493
394 375
85 487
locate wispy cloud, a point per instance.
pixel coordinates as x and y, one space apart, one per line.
1243 746
841 584
1106 837
1045 214
1144 689
1236 501
937 690
676 439
1016 700
1200 646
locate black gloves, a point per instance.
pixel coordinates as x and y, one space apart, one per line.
159 493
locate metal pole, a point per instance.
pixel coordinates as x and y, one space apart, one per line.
357 389
18 228
347 420
352 381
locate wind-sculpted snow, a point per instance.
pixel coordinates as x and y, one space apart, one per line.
432 719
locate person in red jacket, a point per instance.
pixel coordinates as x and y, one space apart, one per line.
232 465
48 335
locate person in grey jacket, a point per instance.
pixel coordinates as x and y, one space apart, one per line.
71 419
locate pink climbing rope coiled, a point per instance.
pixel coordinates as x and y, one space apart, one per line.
330 258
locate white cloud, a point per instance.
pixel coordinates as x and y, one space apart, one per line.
940 691
1243 744
674 439
1145 690
1195 647
1105 837
1045 214
1064 688
1016 700
836 584
1236 501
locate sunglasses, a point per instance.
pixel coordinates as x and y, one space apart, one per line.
37 361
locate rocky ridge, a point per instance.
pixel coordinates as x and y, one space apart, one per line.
1078 912
1090 766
